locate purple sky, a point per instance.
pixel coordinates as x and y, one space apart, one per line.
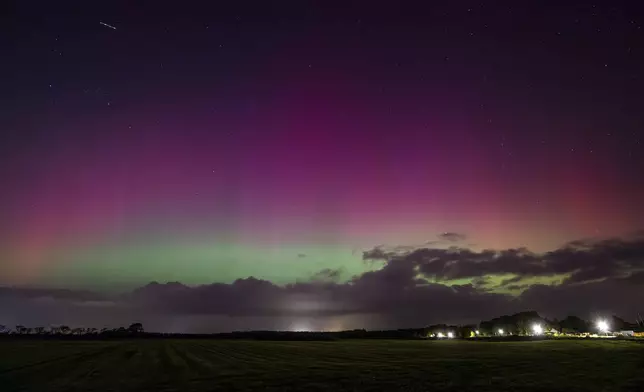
215 143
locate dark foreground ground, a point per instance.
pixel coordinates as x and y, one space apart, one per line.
202 365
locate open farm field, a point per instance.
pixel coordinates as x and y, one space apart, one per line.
355 365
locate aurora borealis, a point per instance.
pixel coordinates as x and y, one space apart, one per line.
224 145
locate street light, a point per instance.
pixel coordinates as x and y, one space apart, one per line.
602 326
537 329
477 332
440 335
450 334
500 331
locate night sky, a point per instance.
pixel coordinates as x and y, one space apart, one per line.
302 165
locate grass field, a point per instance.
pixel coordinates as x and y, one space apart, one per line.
207 365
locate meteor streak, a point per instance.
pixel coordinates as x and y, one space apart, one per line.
107 25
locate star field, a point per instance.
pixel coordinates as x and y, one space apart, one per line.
211 142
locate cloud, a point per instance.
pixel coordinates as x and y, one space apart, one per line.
584 261
377 253
452 237
508 281
607 297
327 275
480 281
636 278
605 277
458 263
44 307
57 294
516 287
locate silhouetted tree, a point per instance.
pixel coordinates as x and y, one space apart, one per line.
136 328
39 330
618 324
574 324
78 331
20 329
552 324
465 331
64 329
519 323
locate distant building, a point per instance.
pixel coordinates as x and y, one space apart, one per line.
639 334
626 333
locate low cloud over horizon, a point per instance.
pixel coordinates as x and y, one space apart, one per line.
414 287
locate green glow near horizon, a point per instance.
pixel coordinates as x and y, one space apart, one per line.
197 263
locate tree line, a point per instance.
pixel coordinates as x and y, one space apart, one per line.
518 324
64 330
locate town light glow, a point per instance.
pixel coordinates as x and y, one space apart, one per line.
500 331
477 332
450 335
537 329
440 335
602 326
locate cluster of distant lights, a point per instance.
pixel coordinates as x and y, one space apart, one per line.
537 330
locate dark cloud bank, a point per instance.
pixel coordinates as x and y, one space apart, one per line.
452 237
598 277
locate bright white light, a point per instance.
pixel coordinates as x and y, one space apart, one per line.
602 325
500 331
440 335
537 329
301 327
450 335
477 332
